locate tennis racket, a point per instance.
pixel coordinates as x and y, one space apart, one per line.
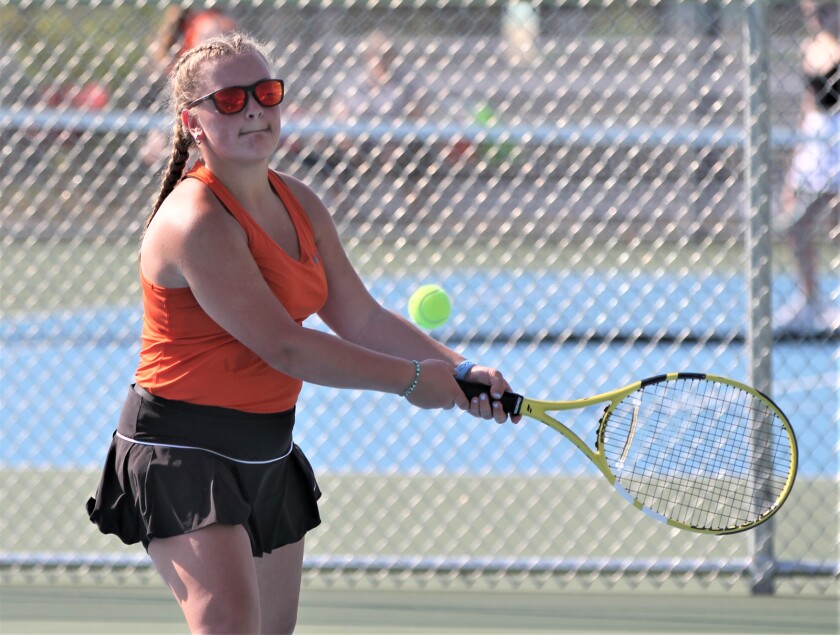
695 451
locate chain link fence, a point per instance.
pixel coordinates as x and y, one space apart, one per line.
592 182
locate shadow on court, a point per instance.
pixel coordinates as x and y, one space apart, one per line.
64 609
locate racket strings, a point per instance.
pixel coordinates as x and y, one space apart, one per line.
699 452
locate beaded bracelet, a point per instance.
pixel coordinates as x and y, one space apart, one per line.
463 369
413 385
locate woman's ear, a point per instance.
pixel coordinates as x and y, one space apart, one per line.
190 123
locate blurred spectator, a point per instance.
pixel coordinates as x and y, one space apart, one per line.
520 32
88 96
811 196
180 30
384 91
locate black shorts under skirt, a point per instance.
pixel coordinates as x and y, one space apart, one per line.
231 468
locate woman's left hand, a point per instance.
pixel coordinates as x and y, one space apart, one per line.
490 408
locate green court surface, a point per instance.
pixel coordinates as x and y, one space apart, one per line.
66 609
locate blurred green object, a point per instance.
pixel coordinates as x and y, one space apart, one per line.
496 152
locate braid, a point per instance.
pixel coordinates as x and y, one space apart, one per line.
174 169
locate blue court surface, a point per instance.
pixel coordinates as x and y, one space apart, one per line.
562 346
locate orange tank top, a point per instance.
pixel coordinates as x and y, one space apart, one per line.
186 356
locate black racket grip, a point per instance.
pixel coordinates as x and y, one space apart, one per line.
511 402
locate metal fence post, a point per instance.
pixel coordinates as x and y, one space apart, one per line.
759 246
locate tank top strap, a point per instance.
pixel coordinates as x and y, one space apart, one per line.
300 219
200 172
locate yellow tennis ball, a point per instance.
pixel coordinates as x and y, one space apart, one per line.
429 306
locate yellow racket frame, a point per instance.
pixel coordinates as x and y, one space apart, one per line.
537 409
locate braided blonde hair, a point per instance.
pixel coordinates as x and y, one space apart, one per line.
183 83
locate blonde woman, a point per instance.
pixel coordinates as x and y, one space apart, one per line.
203 469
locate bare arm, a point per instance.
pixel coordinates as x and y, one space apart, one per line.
350 311
194 242
353 314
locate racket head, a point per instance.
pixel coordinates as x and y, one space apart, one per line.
699 452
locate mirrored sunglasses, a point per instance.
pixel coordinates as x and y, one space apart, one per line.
233 99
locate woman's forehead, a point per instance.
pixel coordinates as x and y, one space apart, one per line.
234 70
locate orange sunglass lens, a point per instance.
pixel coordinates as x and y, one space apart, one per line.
269 93
230 100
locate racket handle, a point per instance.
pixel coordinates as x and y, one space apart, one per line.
511 402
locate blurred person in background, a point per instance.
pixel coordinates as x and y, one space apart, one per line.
180 30
811 196
383 90
188 27
381 93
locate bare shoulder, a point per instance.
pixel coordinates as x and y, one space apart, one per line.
190 225
192 211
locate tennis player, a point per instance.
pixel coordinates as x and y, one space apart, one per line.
202 469
811 196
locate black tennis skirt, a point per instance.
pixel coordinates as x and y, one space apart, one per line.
174 467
